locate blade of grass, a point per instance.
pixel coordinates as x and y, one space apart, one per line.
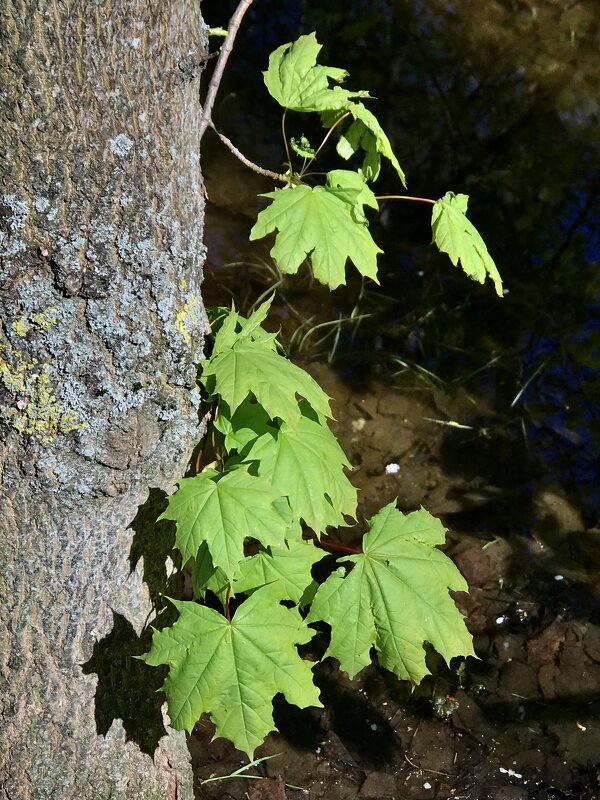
238 773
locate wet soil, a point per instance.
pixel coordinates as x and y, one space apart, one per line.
520 723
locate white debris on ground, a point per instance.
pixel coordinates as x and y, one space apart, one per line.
510 772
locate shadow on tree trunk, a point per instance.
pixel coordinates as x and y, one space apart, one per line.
129 689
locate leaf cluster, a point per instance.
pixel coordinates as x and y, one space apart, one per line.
326 224
249 526
241 526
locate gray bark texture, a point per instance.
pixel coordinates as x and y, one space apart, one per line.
102 325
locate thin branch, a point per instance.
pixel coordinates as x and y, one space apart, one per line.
250 164
322 145
239 772
215 81
329 132
424 769
406 197
283 133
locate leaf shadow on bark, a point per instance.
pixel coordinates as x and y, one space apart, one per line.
129 689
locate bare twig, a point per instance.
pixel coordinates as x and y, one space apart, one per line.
405 197
424 769
250 164
285 142
226 47
213 87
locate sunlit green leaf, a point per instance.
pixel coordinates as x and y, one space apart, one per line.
307 465
395 598
248 368
454 234
296 81
233 669
223 512
205 576
235 327
286 569
317 223
366 134
249 421
351 188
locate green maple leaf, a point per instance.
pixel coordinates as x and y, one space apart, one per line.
307 464
240 429
235 327
233 669
395 597
366 134
223 512
351 188
286 570
296 82
317 223
302 147
455 235
248 368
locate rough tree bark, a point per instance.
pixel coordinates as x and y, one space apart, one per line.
101 216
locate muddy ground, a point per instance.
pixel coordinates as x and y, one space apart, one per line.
520 723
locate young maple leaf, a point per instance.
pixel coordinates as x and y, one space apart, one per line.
240 429
235 328
456 235
296 81
320 224
395 598
223 512
233 669
366 134
285 570
249 368
352 189
307 465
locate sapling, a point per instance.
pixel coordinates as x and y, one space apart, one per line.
251 525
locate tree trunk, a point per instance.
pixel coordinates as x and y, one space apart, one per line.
101 216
